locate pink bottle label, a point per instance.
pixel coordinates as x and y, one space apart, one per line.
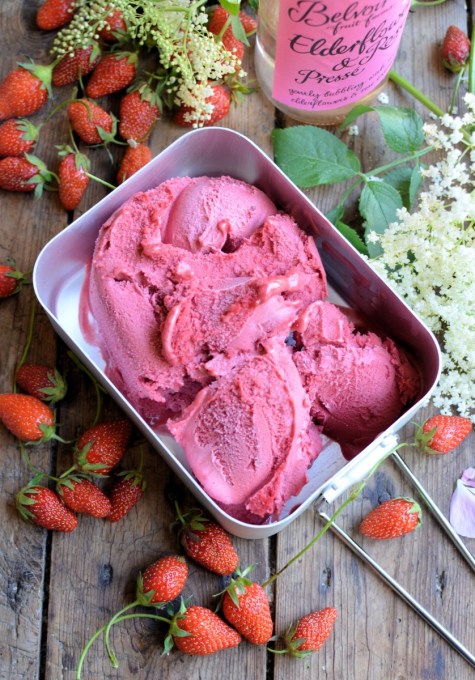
330 54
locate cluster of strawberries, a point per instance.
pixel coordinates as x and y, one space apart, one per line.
27 88
97 452
244 604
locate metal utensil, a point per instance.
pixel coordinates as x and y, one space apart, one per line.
402 592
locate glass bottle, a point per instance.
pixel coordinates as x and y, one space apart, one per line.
316 60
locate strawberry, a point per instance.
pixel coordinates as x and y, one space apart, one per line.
90 122
81 495
76 65
114 72
73 177
455 49
54 14
102 447
41 506
24 173
162 581
199 631
138 113
27 418
125 494
11 279
24 90
392 519
17 137
219 101
134 158
219 24
310 632
42 382
207 543
442 434
246 607
114 28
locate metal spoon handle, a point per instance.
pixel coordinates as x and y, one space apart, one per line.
402 592
442 520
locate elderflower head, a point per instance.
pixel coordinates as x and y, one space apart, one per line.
428 256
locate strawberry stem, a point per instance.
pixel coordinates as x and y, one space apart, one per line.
353 495
30 465
29 338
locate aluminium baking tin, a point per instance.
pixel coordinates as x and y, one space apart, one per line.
61 269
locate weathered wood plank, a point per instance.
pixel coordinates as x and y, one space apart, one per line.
377 635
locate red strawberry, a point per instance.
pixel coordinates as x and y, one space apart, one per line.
135 157
76 65
207 543
138 113
442 434
455 49
24 173
310 632
162 581
115 26
17 137
392 519
207 633
246 607
73 178
41 506
114 72
218 21
83 496
27 418
125 494
90 122
11 279
24 90
42 382
102 446
54 14
219 102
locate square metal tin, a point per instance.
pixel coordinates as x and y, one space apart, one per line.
61 269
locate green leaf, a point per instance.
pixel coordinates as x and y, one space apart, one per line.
400 179
378 205
416 181
335 214
352 236
311 156
238 30
254 4
402 128
231 5
355 113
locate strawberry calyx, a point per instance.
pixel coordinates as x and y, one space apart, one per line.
81 160
238 584
84 465
424 439
135 477
44 178
53 392
174 630
21 278
23 499
44 73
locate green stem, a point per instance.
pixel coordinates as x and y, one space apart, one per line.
458 82
471 64
100 181
30 466
400 161
353 494
29 338
432 3
110 651
417 94
103 629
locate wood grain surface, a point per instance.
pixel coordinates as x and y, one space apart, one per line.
56 590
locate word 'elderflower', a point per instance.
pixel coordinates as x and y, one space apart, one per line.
428 257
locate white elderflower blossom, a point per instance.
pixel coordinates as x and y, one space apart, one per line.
428 257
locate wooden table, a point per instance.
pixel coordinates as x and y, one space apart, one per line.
56 589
